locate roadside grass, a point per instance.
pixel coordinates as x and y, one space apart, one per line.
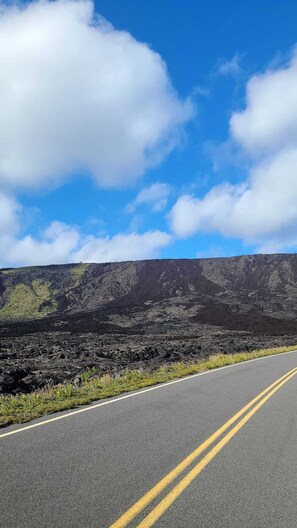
24 407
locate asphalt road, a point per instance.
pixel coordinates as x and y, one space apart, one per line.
88 469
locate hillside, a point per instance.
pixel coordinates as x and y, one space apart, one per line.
56 321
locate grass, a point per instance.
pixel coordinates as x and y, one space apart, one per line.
24 407
25 301
77 273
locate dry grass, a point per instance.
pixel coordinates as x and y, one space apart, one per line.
25 407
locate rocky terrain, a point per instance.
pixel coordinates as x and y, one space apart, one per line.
57 321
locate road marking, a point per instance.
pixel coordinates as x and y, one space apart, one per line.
161 508
132 395
132 512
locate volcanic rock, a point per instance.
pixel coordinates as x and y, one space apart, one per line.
57 321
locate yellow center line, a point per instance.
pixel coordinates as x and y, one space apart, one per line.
134 510
160 509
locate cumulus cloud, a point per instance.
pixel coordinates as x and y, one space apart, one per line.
262 210
190 215
78 95
155 195
9 214
259 212
61 243
54 246
269 121
131 246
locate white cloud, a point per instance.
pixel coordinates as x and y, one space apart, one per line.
269 122
61 243
54 247
9 213
155 195
78 95
190 215
230 67
262 210
132 246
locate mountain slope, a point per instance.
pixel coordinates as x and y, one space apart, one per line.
57 320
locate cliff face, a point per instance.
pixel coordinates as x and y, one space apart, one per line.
117 314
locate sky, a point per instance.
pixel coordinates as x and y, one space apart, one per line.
150 129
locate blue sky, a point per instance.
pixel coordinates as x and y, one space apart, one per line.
164 129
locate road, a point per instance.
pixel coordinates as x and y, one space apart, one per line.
161 457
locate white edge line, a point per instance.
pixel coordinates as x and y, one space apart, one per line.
133 394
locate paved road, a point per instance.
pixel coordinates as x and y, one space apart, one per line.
88 469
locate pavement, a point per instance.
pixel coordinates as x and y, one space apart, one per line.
158 457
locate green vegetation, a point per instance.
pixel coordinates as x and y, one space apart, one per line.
77 273
26 302
25 407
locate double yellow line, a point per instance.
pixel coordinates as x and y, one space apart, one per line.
254 405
